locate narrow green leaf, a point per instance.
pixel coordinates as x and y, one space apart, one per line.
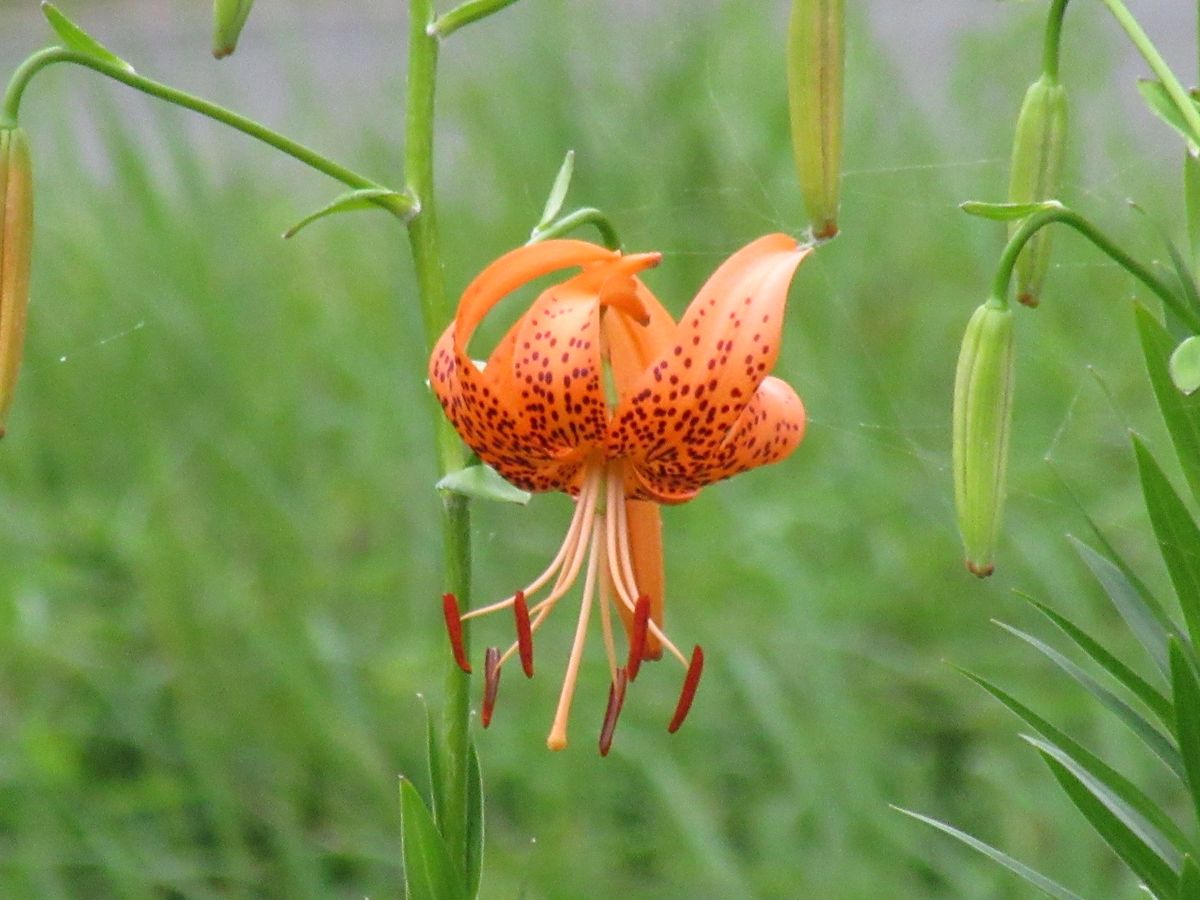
1006 212
1041 882
482 482
1178 536
1189 880
474 822
1122 787
1150 736
1180 413
1185 366
428 874
558 191
1138 686
398 204
433 759
75 38
1132 600
1127 815
1188 294
1186 690
1160 103
1145 863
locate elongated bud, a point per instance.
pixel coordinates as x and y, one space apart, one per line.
815 62
16 236
1037 174
983 388
228 18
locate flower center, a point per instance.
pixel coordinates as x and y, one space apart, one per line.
598 536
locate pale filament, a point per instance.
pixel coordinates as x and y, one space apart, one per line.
583 513
606 599
557 738
622 563
574 545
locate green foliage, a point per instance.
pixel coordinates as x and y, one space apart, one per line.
219 585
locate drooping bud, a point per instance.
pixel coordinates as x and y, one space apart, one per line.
228 18
815 63
16 236
1036 174
983 388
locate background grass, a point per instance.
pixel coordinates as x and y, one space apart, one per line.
219 577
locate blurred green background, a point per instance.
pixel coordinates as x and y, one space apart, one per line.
219 542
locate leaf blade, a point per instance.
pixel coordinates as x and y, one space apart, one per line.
1041 882
428 874
1176 531
1180 413
75 38
1134 721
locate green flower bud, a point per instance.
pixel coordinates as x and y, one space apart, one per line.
228 18
1036 174
16 234
983 388
815 52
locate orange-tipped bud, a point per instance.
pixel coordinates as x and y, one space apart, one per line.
815 61
1036 174
16 238
983 389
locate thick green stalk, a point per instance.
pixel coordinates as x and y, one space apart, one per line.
436 313
40 60
1053 42
1030 226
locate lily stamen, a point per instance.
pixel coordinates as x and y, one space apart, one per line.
557 740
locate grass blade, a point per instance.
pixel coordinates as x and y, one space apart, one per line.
1133 600
1150 736
1178 536
1189 880
428 874
1186 689
1138 686
1118 784
1142 859
1038 880
1129 817
474 822
1181 414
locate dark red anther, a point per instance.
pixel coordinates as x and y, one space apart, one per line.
637 638
454 629
491 683
524 633
688 694
616 698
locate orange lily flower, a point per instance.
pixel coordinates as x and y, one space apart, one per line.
595 391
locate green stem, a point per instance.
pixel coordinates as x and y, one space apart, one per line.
1053 42
1033 224
579 218
471 11
423 237
43 58
1179 96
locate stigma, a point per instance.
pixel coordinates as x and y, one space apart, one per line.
597 548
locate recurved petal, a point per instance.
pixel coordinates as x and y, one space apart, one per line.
486 420
679 412
514 269
768 430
